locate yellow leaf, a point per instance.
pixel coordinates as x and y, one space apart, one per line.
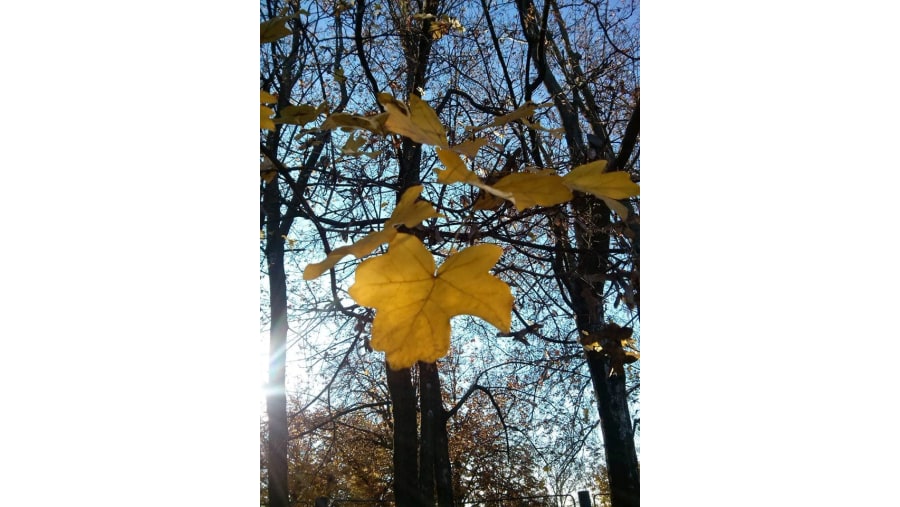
359 249
349 121
353 145
418 121
414 305
273 29
409 212
265 121
298 115
456 169
542 188
616 206
525 111
267 98
590 178
557 132
470 148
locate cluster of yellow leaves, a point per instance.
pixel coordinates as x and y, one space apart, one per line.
420 123
544 187
414 304
440 27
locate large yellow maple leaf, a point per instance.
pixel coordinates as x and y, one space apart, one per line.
414 305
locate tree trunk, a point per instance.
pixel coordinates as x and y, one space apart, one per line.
403 407
618 439
276 401
586 290
428 404
435 474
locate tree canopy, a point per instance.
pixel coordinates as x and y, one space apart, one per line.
453 183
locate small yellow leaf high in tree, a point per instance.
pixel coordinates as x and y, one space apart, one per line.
265 113
609 187
542 188
414 305
418 121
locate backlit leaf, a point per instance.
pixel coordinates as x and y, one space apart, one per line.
414 304
273 29
544 188
418 121
616 206
409 212
525 111
265 118
353 145
590 178
267 170
456 170
470 148
347 121
265 113
298 115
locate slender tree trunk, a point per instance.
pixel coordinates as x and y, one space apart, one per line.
586 286
435 474
618 439
276 401
427 395
403 407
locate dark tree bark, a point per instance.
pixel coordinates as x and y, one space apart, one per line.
276 402
429 401
618 439
435 474
403 407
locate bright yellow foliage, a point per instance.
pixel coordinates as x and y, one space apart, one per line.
265 118
418 121
590 178
525 111
409 212
542 188
456 170
414 305
299 115
470 148
347 121
265 113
